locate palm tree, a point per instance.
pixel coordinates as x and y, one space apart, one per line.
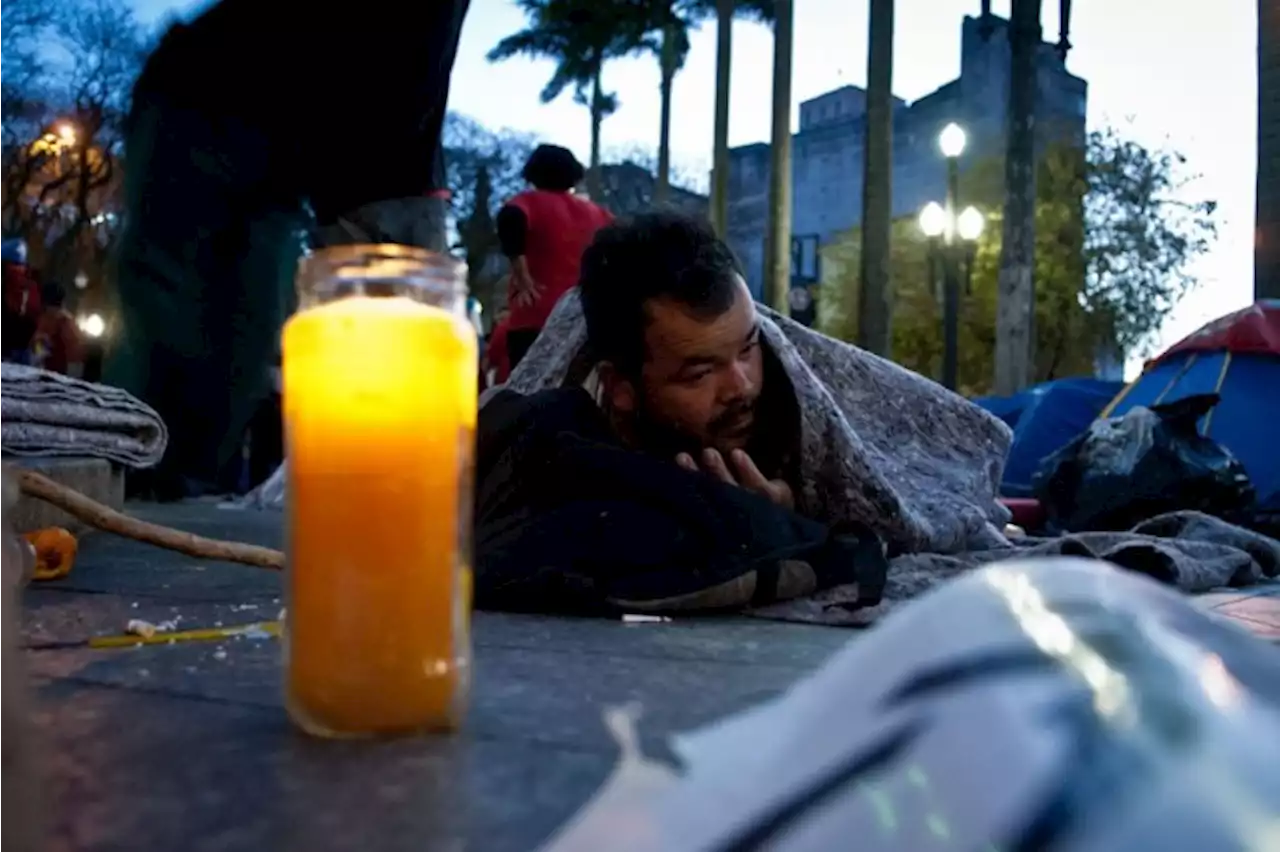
761 10
1015 306
777 247
671 21
1266 267
874 294
580 36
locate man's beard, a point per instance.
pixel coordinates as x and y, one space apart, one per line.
668 440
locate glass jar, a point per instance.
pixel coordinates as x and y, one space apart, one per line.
24 830
379 393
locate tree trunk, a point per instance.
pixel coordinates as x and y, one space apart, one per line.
1266 274
597 117
668 63
777 248
874 294
1015 308
720 145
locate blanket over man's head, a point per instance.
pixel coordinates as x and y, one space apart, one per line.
879 444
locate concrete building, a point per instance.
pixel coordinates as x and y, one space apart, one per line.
827 152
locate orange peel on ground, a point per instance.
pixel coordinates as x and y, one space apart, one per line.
55 549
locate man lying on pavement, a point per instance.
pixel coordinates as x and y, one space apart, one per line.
671 484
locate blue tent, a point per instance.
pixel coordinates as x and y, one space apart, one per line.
1044 418
1237 357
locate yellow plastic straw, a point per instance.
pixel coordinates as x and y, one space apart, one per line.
210 634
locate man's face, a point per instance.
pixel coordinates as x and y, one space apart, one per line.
701 376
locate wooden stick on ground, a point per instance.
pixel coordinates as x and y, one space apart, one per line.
109 520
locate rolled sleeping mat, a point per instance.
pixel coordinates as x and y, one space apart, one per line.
1050 704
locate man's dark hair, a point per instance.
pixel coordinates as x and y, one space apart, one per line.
651 256
553 168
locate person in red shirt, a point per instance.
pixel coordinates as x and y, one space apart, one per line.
56 344
21 304
544 231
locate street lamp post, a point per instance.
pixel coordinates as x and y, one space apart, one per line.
952 235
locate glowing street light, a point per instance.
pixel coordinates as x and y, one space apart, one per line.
952 237
952 140
933 220
93 325
66 133
969 224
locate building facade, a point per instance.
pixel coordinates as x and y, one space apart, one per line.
827 151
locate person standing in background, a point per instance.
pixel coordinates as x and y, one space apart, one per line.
543 231
330 111
21 302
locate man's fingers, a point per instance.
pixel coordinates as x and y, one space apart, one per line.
748 474
714 463
686 461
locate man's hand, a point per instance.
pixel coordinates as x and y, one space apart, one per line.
745 475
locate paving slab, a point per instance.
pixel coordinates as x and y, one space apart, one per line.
186 746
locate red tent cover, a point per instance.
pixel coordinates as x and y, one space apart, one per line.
1255 329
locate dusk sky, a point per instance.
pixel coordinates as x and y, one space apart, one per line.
1185 79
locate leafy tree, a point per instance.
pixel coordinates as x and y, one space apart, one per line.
109 47
62 158
1113 255
1140 237
26 24
681 176
580 36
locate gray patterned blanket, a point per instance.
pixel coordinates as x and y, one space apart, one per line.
49 414
921 466
879 444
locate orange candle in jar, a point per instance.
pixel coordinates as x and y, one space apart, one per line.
380 408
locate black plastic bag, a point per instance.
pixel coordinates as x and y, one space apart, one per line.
1150 461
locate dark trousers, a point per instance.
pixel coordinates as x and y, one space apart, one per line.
341 113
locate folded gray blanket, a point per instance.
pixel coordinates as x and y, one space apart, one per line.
49 414
1191 551
880 444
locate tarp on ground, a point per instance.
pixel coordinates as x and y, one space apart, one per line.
1237 357
1044 418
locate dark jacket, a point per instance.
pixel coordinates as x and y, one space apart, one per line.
567 519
